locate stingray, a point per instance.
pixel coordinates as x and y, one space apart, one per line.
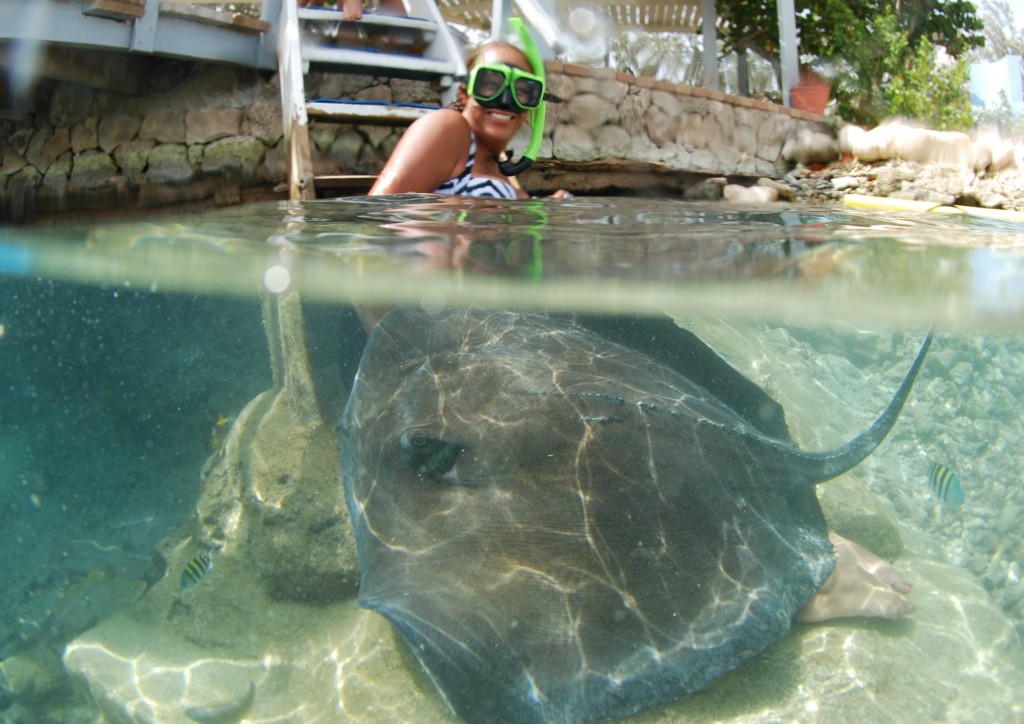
565 529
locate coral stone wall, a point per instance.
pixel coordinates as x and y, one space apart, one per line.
197 135
607 114
211 134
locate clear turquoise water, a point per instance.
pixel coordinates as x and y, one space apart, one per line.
124 345
601 254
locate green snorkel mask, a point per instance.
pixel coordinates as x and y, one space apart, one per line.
538 114
497 85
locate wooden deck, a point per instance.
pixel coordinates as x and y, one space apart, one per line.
205 29
202 30
213 16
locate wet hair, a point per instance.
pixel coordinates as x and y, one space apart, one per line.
474 57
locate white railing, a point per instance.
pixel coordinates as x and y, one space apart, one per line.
293 104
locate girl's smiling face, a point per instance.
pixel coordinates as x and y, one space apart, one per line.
494 127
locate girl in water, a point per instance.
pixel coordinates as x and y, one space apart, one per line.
457 150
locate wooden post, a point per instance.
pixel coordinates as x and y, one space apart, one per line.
789 53
709 36
293 105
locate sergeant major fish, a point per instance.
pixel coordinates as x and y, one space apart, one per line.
195 569
946 484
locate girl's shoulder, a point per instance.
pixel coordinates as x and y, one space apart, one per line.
447 118
443 130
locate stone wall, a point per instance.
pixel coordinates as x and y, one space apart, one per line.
210 134
198 134
613 115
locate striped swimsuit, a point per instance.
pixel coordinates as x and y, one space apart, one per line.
485 187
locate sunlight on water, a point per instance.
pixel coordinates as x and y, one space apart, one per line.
613 255
147 424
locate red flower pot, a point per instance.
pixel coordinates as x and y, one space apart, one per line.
811 94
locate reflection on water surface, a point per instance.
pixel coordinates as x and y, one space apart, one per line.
619 255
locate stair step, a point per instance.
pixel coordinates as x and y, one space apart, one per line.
115 9
355 183
418 47
212 16
372 60
381 112
320 15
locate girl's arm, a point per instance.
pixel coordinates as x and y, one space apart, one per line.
432 150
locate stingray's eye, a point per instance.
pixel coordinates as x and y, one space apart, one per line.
429 455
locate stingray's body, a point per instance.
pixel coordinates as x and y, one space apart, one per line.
563 529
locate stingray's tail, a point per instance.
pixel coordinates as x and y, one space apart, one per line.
811 468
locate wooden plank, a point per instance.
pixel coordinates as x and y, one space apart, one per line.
383 114
209 16
386 33
346 182
391 21
114 9
451 9
301 184
380 61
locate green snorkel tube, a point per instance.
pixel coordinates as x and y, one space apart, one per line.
537 116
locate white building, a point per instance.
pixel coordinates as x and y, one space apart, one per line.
990 80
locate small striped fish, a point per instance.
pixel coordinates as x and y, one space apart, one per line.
195 569
946 484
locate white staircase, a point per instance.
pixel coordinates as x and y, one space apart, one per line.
417 46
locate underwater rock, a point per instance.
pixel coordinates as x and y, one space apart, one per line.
140 666
32 677
272 494
148 666
853 512
324 664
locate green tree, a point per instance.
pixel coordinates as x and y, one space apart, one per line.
679 58
931 93
831 27
1001 118
669 56
1003 35
867 45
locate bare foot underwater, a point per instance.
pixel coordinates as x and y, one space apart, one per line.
862 584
